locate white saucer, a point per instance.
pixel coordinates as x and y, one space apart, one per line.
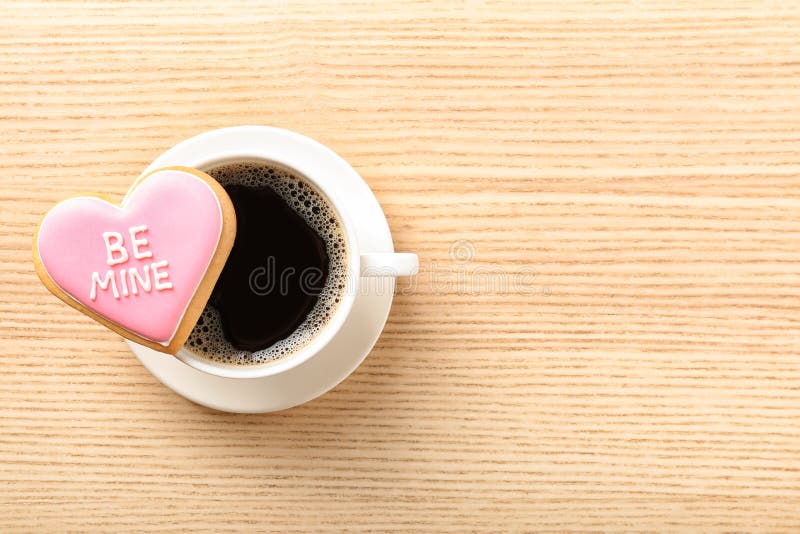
336 360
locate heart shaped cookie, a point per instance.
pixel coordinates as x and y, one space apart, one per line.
144 268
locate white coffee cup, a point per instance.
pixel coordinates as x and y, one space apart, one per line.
322 168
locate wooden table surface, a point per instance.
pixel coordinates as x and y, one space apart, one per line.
604 197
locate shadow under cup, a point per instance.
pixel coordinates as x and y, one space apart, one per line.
288 281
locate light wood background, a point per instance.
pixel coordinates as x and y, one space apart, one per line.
642 158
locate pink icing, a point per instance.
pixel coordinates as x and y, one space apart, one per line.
183 221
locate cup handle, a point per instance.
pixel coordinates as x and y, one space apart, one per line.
389 264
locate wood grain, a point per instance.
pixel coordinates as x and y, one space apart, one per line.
604 197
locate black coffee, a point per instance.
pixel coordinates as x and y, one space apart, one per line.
285 274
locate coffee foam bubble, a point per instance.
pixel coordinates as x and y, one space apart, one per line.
207 339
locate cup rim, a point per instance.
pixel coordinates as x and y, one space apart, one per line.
198 152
